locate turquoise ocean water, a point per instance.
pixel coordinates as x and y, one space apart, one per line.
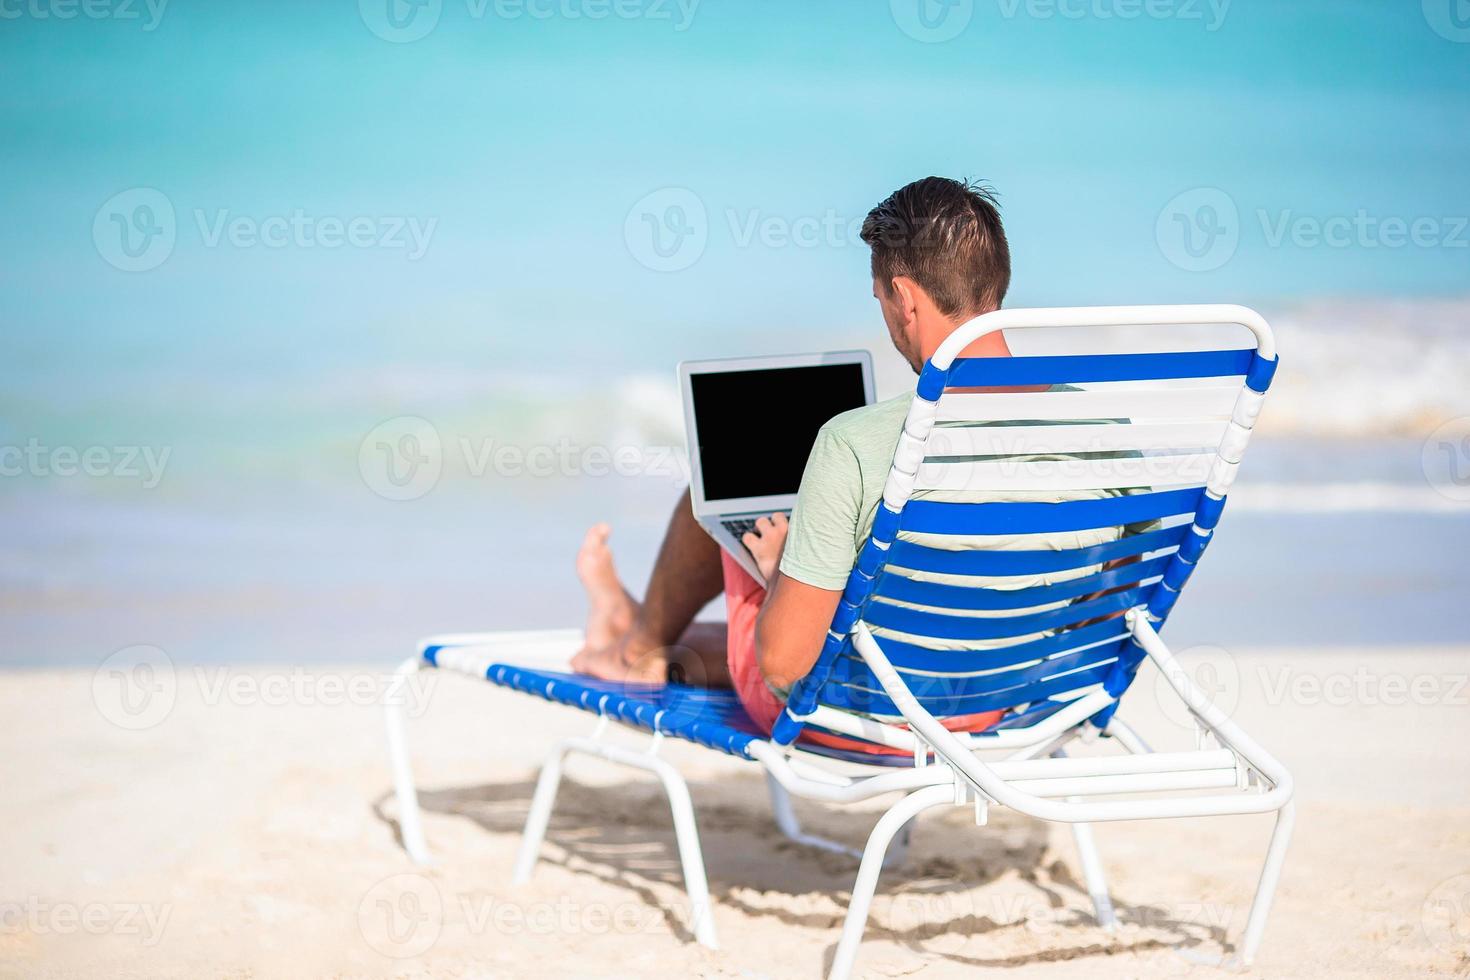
239 239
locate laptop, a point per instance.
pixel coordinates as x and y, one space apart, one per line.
750 423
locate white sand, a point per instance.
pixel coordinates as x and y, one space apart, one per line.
243 838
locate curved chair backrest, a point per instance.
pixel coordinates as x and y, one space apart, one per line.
1125 457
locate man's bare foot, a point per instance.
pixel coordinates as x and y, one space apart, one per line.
629 660
610 609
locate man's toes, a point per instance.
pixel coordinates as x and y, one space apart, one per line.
594 558
595 539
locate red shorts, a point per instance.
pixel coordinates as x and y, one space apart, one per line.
743 599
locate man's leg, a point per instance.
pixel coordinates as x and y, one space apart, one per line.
686 577
658 638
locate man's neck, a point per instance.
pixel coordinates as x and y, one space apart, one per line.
992 344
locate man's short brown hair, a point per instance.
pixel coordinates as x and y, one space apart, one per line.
946 236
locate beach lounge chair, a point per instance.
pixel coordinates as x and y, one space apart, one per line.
1153 442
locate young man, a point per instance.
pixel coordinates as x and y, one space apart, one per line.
939 259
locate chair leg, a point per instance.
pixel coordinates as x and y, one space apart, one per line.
898 851
782 810
1255 924
790 826
1092 869
539 816
409 826
884 831
686 835
686 831
1092 873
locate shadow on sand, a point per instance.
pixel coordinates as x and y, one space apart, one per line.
623 835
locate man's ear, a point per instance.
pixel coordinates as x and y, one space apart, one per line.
906 292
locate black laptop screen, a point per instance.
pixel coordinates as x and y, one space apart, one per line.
755 428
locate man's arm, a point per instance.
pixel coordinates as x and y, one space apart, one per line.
790 630
794 619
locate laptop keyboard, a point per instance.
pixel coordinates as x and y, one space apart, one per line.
739 526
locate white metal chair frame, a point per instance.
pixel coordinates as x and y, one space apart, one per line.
1035 777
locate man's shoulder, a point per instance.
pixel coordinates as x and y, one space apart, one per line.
878 419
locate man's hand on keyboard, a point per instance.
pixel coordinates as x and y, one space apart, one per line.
765 544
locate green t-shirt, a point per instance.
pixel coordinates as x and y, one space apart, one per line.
839 496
